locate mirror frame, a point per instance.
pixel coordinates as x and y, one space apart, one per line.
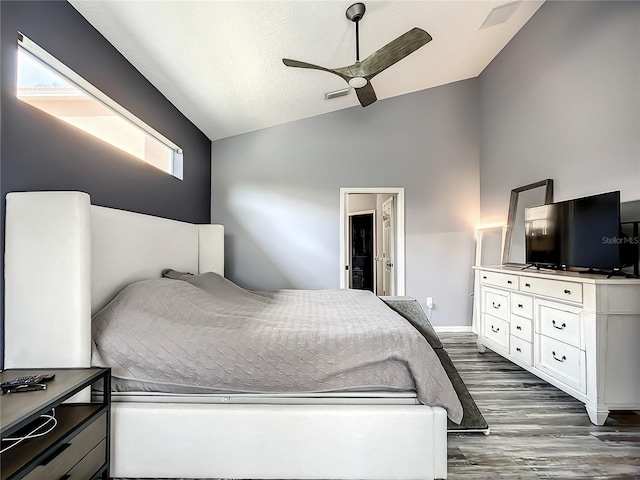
513 211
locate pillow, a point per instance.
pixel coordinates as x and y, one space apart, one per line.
172 274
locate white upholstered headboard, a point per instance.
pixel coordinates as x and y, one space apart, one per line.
65 259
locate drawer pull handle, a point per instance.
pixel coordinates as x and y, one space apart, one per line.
495 330
54 454
495 305
568 292
484 277
558 359
518 327
518 349
520 305
509 282
528 285
561 327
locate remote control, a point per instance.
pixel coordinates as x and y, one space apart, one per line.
30 387
28 380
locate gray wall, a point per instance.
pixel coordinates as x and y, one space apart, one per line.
562 101
277 193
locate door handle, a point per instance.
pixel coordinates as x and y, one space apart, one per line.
389 264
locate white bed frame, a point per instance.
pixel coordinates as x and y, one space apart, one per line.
65 259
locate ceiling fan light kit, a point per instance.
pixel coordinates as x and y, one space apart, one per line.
359 74
358 82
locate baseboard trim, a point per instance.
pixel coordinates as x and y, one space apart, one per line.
452 328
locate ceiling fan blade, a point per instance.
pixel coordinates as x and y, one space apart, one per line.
391 53
366 95
341 72
296 63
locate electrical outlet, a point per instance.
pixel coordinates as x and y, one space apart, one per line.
429 302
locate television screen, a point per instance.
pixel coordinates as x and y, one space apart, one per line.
591 226
542 238
582 232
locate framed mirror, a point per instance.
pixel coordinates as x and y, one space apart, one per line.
539 193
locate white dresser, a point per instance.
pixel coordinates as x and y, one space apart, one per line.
579 332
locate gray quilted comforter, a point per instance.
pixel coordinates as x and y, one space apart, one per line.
205 331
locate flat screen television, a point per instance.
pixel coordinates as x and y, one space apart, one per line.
583 232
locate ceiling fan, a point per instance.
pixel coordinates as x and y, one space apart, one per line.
359 74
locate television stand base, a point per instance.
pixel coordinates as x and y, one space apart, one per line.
544 268
608 273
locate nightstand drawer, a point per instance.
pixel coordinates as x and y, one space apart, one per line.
89 465
69 454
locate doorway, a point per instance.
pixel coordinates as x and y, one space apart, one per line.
362 238
385 207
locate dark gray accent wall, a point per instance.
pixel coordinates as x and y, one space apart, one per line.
562 101
277 191
39 152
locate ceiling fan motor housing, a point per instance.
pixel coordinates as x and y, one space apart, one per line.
355 12
359 74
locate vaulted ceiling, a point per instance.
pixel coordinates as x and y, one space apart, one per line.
220 62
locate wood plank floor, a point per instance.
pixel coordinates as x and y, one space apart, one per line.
537 431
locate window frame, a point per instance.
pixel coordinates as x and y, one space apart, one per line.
36 52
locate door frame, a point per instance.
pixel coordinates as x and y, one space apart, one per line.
400 233
375 244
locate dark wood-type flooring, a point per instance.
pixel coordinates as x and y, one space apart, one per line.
537 431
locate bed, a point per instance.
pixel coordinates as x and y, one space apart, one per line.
74 258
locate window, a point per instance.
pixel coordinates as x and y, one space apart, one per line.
47 84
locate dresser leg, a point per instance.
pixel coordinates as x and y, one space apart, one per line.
481 347
597 417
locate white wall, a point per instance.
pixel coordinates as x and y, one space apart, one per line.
360 202
277 191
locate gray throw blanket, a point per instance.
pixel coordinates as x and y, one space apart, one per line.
208 332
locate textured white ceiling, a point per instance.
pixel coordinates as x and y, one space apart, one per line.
220 62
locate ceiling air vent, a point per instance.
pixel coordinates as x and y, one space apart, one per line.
500 14
338 93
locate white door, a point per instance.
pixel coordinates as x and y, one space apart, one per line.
388 247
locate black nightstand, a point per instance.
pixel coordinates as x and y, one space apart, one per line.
78 446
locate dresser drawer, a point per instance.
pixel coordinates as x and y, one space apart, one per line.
562 361
560 289
521 351
497 331
61 461
496 303
561 324
522 328
522 305
505 280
